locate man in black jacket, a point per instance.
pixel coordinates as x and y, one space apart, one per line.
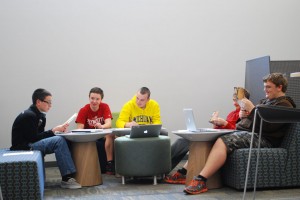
28 133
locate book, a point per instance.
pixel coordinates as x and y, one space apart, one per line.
86 130
239 92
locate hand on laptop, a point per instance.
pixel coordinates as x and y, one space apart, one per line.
130 124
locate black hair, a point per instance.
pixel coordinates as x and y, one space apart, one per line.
40 94
97 90
246 93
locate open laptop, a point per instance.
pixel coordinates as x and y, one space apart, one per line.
190 122
143 131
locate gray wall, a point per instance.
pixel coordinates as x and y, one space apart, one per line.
190 53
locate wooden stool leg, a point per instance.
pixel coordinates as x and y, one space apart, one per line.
199 152
86 160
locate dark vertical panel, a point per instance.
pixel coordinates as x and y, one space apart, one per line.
256 69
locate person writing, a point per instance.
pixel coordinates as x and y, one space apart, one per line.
181 146
97 115
275 86
140 110
28 133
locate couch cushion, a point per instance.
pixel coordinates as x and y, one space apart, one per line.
270 170
21 174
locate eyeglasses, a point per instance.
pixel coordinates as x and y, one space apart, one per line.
47 102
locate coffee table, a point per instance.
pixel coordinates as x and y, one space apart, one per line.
200 146
85 155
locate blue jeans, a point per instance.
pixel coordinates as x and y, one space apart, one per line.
59 146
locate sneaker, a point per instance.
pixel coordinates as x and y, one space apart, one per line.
176 178
196 186
110 168
70 184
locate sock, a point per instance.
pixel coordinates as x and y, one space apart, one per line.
182 171
202 178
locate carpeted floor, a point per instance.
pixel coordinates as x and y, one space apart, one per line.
112 188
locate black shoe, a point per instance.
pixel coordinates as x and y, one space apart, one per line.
110 168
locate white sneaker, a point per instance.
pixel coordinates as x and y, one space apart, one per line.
70 184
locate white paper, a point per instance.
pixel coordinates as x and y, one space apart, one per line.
71 118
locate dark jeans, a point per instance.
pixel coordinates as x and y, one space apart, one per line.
178 150
102 154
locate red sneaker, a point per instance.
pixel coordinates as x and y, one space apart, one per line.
176 178
196 186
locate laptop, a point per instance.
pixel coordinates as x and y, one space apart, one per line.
190 122
144 131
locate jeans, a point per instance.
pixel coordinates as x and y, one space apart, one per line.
59 146
178 150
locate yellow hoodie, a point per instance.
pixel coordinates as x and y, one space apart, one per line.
131 112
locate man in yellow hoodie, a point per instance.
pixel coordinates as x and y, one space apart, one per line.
140 110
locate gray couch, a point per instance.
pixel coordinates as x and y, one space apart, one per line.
278 167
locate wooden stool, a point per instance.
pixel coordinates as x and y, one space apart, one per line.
197 158
85 156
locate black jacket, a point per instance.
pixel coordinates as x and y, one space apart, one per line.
29 127
273 132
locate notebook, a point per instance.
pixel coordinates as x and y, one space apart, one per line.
190 122
143 131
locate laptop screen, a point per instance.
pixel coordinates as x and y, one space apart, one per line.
143 131
189 119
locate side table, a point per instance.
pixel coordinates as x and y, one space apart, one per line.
85 156
200 146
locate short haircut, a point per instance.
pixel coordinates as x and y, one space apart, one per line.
278 79
40 94
97 90
145 90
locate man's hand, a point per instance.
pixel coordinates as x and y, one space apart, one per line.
243 114
130 124
219 122
246 105
61 128
214 116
